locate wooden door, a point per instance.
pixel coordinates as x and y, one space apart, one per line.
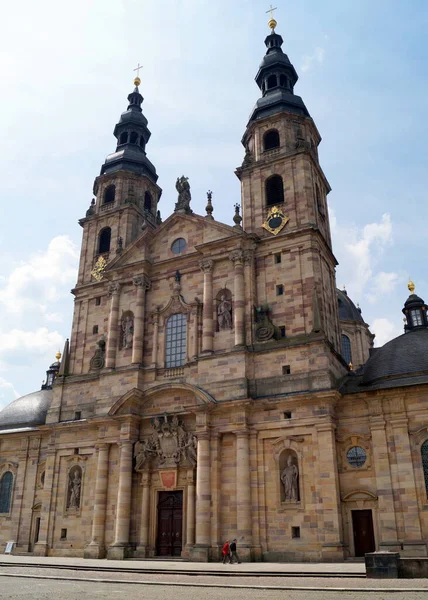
362 523
170 524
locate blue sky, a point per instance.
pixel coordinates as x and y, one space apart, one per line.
66 72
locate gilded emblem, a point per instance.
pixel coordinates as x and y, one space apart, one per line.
275 220
99 268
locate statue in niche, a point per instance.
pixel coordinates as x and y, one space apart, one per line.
74 488
290 480
183 188
127 330
224 313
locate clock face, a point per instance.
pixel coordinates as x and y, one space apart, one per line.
275 220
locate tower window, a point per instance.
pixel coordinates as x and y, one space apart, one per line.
123 138
6 483
416 317
346 349
274 190
278 258
104 241
175 343
320 205
286 370
142 142
271 139
283 81
95 329
424 456
109 194
272 82
98 301
134 138
148 201
279 290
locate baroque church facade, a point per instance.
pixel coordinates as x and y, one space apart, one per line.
217 384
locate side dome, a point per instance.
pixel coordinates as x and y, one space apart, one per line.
404 356
347 309
27 411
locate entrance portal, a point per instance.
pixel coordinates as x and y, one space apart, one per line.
362 523
170 524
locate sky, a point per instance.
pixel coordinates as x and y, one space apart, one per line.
67 69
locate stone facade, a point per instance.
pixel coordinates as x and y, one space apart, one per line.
158 394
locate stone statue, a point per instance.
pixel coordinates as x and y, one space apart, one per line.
127 331
224 313
75 485
290 479
183 188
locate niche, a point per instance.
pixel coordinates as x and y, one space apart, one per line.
74 488
127 330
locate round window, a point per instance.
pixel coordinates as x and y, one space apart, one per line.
178 245
356 456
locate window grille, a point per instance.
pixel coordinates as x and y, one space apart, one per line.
346 349
356 456
424 454
6 484
175 343
416 317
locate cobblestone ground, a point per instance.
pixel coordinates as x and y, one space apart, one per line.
19 588
317 582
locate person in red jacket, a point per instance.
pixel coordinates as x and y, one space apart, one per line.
226 552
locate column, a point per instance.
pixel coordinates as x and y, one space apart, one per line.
237 257
243 494
255 501
207 315
330 520
195 314
119 548
155 321
413 544
215 495
142 284
203 500
142 550
114 293
42 546
190 529
96 548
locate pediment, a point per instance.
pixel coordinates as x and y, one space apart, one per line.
155 245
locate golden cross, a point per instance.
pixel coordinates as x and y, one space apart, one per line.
138 69
271 10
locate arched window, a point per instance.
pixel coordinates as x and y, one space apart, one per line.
148 201
320 205
283 81
346 349
271 139
123 138
134 137
274 190
142 142
104 241
424 455
271 82
175 341
109 194
6 483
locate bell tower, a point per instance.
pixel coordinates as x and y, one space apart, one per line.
126 192
283 197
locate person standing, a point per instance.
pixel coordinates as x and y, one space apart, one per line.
233 553
226 552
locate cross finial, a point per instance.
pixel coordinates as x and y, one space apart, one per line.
137 80
272 23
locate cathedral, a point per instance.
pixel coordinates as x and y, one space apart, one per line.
217 384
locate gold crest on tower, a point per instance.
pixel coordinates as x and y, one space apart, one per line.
275 221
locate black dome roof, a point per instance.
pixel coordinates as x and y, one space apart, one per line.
406 355
347 309
27 411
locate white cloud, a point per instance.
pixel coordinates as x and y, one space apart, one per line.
19 346
385 330
310 59
43 279
359 250
7 392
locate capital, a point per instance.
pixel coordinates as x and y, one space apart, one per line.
236 256
249 256
114 289
142 281
206 266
